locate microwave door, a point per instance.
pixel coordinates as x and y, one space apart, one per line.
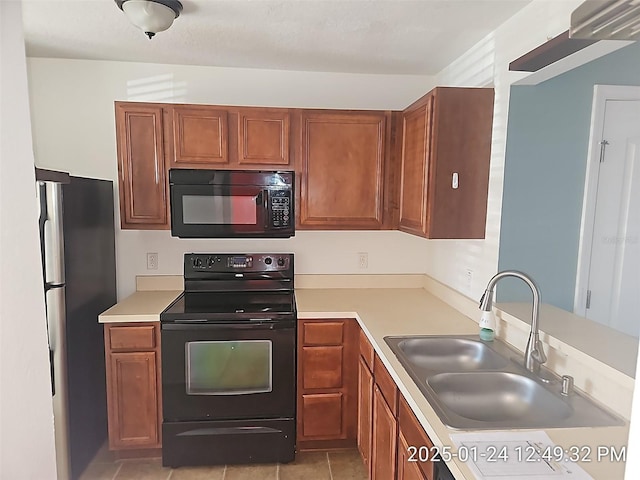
217 210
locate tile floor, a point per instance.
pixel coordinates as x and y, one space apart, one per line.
338 465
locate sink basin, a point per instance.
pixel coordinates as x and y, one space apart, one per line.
450 354
498 397
475 385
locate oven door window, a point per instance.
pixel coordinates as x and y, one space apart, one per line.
229 367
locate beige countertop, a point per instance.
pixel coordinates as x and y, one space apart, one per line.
383 312
403 311
142 306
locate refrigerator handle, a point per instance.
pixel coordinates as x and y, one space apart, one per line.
56 317
53 245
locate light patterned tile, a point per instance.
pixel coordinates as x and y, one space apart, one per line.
306 466
100 471
251 472
143 469
198 473
104 455
347 465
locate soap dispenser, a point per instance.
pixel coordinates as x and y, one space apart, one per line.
487 326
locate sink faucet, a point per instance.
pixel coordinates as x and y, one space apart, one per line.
534 354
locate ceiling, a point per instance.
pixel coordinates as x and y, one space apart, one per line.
359 36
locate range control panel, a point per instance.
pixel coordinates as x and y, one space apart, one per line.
225 262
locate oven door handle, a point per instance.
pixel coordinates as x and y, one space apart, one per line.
227 431
224 326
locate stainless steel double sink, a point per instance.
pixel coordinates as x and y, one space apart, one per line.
473 385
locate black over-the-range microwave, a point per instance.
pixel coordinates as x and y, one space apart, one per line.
231 203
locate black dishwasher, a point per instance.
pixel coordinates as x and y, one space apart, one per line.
441 472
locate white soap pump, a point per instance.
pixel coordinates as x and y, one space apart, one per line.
487 326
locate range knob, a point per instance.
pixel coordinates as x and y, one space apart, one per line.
197 262
281 262
268 261
211 261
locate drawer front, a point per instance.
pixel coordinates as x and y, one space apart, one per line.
323 333
387 385
366 350
132 338
322 415
322 367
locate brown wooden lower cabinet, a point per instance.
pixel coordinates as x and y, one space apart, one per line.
365 406
384 437
408 468
132 353
327 383
387 427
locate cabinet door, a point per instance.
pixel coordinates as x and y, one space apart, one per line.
365 400
263 137
342 171
414 435
384 438
323 415
407 470
463 119
199 136
141 167
132 400
415 167
446 149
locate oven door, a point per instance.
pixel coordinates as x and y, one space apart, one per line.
228 371
209 211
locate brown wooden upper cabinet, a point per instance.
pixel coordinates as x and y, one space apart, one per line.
263 136
199 136
446 148
342 169
144 203
153 137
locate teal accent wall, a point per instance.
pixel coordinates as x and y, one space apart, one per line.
545 168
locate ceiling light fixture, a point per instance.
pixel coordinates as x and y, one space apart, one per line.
151 16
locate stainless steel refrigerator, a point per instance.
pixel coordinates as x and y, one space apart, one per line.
77 241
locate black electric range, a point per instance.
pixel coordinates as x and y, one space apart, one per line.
229 362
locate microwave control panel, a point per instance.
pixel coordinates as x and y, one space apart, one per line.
280 208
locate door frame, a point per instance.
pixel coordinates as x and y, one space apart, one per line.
601 93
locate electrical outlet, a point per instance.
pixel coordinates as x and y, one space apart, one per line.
152 261
363 260
469 278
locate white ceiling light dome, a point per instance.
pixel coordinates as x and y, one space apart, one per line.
151 16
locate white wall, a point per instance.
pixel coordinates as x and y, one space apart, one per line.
487 64
26 413
74 130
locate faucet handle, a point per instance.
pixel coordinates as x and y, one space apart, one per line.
538 353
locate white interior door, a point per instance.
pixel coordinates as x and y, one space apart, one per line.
613 286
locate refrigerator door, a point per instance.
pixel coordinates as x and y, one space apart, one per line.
56 324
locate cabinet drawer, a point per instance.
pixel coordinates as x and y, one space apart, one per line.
136 338
387 385
322 367
322 414
323 333
366 350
